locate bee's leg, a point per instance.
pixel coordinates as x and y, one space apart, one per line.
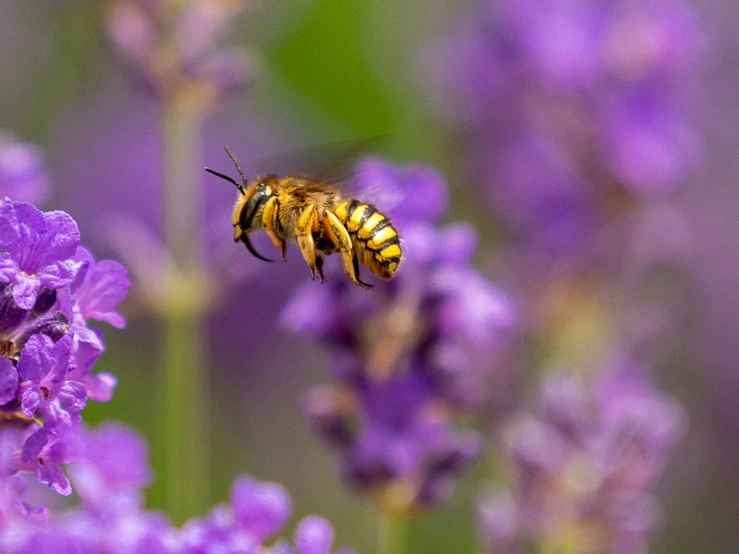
340 237
307 220
319 267
269 219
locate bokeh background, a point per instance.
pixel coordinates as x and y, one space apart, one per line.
325 72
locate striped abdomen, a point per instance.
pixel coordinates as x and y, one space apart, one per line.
375 241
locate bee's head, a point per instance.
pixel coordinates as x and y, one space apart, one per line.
252 203
247 216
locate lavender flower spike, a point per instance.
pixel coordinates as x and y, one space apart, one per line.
411 356
36 246
585 462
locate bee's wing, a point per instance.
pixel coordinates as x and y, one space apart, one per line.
330 163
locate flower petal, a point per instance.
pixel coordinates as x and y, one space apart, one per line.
25 291
53 475
8 268
35 360
22 232
105 286
73 396
30 401
262 508
34 444
57 417
314 535
8 381
61 360
56 275
65 237
100 386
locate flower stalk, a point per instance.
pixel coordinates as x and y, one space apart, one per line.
185 384
392 534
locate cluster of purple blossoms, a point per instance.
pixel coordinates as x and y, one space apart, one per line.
409 356
22 170
172 47
110 471
572 109
584 461
50 287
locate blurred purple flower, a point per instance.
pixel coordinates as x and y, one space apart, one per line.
408 355
109 470
257 512
172 48
407 192
560 101
112 468
314 535
22 170
585 461
262 508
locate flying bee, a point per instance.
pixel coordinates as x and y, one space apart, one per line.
314 215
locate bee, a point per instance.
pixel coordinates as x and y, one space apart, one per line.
315 216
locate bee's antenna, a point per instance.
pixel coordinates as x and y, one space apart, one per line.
238 167
225 177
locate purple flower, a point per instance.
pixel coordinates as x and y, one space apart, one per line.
186 37
257 512
261 508
397 443
98 288
22 170
44 453
585 461
109 467
36 245
409 356
112 468
314 535
100 385
43 366
49 289
564 106
411 192
96 291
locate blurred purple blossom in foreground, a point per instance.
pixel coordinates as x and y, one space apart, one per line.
172 47
569 108
408 356
22 170
110 470
584 462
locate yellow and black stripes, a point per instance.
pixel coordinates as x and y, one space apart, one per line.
373 232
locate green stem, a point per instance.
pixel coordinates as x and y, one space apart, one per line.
392 534
186 467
